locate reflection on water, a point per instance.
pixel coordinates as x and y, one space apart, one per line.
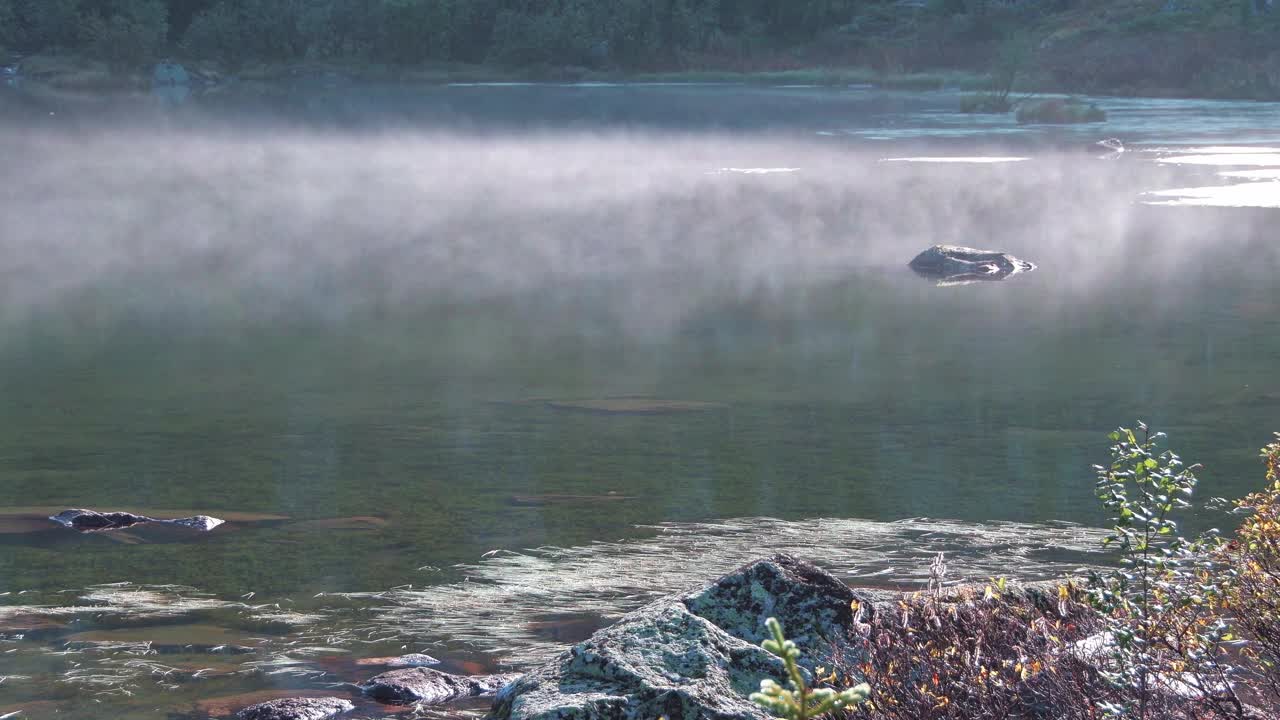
1234 194
1258 195
384 356
957 159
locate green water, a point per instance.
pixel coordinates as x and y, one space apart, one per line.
370 338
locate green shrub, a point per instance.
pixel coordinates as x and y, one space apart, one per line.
799 701
1059 112
1168 641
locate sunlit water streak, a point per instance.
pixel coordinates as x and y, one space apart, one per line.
1219 159
958 159
1241 195
492 609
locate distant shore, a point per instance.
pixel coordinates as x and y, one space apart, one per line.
77 73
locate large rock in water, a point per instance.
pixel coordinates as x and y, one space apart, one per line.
696 656
430 687
953 264
94 521
297 709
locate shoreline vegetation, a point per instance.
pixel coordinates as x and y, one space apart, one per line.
1214 49
1179 629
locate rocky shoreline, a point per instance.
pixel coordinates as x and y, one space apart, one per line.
690 655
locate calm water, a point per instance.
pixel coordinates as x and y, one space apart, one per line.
375 332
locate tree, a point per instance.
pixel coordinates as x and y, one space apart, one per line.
128 32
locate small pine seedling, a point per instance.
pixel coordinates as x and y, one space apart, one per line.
799 702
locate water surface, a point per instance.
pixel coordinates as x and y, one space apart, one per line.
461 378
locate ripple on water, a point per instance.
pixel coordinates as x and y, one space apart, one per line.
491 610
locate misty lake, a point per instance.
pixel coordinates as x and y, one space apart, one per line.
472 370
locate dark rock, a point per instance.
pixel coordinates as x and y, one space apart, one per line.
430 687
955 265
297 709
94 521
695 656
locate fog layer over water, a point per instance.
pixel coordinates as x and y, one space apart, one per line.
382 355
330 325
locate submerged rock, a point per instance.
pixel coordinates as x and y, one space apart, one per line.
553 499
956 265
695 656
430 687
170 639
634 406
94 521
297 709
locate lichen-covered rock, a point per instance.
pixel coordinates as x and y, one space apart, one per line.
689 657
430 687
813 607
953 264
297 709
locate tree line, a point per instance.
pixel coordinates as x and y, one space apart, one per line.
571 32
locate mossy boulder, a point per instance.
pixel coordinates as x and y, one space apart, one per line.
1059 111
695 656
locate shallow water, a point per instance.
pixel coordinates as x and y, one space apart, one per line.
473 389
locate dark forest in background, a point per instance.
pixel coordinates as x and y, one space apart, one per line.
1228 47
